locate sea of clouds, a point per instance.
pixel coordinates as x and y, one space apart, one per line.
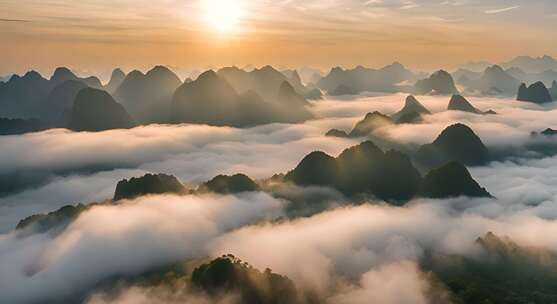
348 254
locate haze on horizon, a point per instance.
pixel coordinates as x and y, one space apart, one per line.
425 34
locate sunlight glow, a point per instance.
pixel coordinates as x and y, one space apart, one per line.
225 15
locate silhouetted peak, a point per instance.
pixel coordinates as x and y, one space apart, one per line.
459 103
412 101
226 184
14 77
62 74
316 156
549 132
411 112
135 74
457 132
494 69
117 73
209 75
268 69
147 184
371 121
441 73
336 133
451 180
230 69
336 70
32 75
440 82
395 66
96 110
116 79
364 149
457 142
159 71
375 114
536 92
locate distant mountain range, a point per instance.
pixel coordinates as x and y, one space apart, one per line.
532 64
259 96
391 78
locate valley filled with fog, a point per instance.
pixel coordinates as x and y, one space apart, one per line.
343 250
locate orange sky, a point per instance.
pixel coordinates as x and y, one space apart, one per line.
426 34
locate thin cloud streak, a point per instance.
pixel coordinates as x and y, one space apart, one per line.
502 10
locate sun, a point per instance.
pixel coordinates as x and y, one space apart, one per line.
224 16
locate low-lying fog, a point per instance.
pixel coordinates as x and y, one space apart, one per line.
377 244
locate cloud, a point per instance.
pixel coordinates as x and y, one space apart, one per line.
345 253
121 240
14 20
502 10
60 167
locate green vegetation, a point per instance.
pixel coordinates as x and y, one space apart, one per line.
148 184
504 273
225 184
451 180
229 275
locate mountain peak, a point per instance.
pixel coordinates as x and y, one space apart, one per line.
537 93
411 107
451 180
457 142
63 74
459 103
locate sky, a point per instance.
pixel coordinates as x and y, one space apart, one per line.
93 35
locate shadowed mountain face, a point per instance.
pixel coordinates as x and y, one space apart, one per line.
59 219
536 93
456 143
33 96
371 122
459 103
494 81
336 133
363 169
532 65
451 180
212 100
310 91
20 97
148 184
411 107
20 126
367 170
62 75
502 273
56 108
360 79
553 90
266 82
228 275
147 97
225 184
439 83
547 77
96 110
116 79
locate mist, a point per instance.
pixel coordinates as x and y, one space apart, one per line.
346 254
